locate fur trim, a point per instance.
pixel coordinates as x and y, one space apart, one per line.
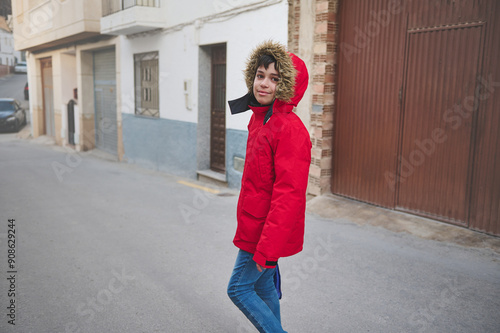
284 66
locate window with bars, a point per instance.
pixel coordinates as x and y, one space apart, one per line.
147 84
113 6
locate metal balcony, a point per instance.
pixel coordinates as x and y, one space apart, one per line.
126 17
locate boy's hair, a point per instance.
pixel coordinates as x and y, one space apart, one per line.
265 60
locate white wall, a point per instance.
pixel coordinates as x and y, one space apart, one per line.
7 48
68 77
179 12
178 54
45 21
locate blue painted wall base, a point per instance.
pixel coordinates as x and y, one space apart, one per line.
170 146
160 144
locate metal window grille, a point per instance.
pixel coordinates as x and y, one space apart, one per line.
112 6
147 84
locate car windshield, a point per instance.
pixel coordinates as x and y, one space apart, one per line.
7 106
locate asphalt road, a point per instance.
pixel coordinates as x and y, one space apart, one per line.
102 246
12 86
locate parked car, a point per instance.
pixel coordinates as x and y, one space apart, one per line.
12 115
26 92
21 67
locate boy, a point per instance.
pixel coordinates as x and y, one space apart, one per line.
271 206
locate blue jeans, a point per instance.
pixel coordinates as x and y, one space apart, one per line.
254 293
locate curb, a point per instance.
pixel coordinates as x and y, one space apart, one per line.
330 206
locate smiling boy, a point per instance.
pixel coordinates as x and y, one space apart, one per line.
264 87
271 206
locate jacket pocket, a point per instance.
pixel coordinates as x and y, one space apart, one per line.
266 167
256 206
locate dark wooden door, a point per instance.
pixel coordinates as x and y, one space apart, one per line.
218 110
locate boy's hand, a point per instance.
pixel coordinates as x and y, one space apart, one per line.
259 268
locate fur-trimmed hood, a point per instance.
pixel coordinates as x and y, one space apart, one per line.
294 78
284 66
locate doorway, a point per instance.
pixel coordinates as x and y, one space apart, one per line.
106 136
218 110
48 97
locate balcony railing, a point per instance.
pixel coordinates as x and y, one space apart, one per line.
112 6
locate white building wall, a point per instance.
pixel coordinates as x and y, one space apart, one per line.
7 48
179 50
242 34
179 141
182 12
69 76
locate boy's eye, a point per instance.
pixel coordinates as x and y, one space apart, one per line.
261 77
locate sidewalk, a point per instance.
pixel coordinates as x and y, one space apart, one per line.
332 206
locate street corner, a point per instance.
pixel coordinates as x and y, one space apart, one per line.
330 206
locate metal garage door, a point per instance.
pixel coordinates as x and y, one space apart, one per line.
106 135
368 106
417 122
442 68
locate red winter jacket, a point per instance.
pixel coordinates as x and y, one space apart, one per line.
272 202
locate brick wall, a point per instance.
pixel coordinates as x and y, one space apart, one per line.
322 82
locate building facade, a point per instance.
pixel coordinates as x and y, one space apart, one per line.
7 52
146 81
180 63
405 100
401 105
64 48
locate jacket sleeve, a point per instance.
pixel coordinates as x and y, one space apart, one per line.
292 157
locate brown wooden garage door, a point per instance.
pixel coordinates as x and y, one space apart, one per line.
416 127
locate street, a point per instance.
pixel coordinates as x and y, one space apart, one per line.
101 246
12 86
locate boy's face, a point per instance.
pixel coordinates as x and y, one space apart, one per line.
264 84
